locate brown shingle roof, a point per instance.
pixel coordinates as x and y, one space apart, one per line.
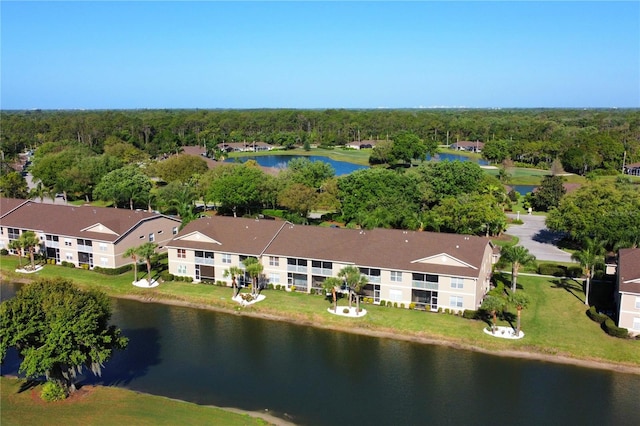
629 270
73 221
379 248
9 204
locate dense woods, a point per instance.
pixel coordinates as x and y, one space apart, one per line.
584 140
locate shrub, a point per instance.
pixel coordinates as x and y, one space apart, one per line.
345 311
85 266
383 303
446 311
4 252
270 286
278 286
110 271
52 391
470 314
595 316
402 305
293 288
395 304
67 264
574 271
412 305
439 310
551 269
166 276
613 330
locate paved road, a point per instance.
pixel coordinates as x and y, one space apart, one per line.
540 241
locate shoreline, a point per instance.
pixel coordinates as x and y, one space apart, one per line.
533 356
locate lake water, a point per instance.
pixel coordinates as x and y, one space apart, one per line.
340 167
321 377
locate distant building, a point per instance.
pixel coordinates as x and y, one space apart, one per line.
469 146
361 144
244 146
632 169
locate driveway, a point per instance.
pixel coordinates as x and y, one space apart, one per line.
541 242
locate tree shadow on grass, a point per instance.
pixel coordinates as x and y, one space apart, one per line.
142 352
572 286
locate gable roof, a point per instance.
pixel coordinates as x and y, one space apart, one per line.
379 248
629 270
97 223
7 205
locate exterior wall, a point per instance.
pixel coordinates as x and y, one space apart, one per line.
161 228
628 312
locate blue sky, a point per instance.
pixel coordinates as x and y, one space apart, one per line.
210 54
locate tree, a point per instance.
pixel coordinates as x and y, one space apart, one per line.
354 282
591 255
548 193
254 268
496 151
58 330
493 304
408 146
13 185
520 300
16 245
181 168
146 252
298 198
233 272
331 285
127 184
518 256
132 252
28 242
236 187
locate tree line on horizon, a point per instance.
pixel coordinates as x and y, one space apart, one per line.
584 140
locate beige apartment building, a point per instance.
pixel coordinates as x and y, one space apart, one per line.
85 235
628 290
432 270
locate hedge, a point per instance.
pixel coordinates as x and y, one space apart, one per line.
113 271
595 316
613 330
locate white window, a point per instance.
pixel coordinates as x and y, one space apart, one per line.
182 253
104 261
637 302
636 323
68 256
395 295
226 258
103 247
67 242
396 276
274 261
457 282
174 231
182 269
455 301
274 278
152 237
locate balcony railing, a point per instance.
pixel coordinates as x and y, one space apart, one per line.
322 271
425 285
52 244
204 261
297 268
87 249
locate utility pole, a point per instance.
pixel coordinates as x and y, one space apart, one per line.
624 159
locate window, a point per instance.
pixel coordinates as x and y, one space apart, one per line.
14 233
455 301
274 278
1 230
396 276
395 295
637 302
174 231
152 237
457 282
636 323
103 247
182 269
274 261
67 242
68 256
104 261
182 253
226 258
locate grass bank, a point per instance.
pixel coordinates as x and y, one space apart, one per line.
108 406
555 323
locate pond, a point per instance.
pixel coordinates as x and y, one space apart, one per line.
322 377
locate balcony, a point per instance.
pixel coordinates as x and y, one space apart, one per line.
87 249
327 272
297 268
203 261
424 285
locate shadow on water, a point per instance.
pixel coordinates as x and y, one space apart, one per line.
142 352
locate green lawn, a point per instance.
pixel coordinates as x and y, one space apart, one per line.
107 406
554 323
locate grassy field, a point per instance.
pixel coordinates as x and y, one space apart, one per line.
555 323
107 406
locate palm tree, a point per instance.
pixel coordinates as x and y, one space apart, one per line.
28 242
520 301
145 251
493 304
16 245
354 281
254 268
132 252
518 256
234 271
591 255
331 284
